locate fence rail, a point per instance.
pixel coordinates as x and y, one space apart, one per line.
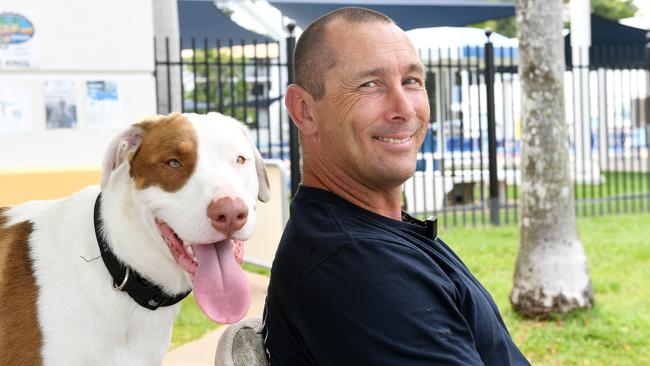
244 81
468 167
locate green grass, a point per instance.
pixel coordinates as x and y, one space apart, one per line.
614 184
615 332
620 193
191 323
256 269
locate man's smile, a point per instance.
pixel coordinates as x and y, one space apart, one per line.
394 140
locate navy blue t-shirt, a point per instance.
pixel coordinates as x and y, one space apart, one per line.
351 287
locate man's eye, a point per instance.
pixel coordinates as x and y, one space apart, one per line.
411 81
370 84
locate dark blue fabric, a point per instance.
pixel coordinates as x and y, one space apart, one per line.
350 287
408 14
201 20
612 45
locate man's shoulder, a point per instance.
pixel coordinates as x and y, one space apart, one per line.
362 261
326 222
320 235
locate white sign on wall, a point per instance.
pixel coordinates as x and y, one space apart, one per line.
60 104
15 107
103 105
18 42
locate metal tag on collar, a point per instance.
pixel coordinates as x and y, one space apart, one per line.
431 227
156 302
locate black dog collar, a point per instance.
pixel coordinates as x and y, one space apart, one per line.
140 289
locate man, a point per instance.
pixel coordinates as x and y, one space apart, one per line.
355 281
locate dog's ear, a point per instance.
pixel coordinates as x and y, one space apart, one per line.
120 150
264 191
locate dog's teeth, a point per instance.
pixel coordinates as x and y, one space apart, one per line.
189 251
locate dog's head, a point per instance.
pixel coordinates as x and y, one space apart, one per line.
193 180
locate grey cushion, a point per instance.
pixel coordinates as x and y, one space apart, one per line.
241 344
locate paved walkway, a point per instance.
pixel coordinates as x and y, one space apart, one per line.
201 351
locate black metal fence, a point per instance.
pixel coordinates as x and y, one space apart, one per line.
468 167
244 81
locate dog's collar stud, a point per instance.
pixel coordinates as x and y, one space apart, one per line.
140 289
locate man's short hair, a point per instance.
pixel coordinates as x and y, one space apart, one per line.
314 55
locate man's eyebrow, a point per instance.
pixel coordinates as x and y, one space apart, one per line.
377 71
414 67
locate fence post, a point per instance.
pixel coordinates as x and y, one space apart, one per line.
647 109
294 146
647 97
492 136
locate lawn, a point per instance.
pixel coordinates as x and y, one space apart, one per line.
613 184
618 193
616 332
191 323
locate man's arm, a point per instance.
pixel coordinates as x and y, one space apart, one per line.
377 303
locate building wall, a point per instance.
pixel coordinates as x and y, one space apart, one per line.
78 41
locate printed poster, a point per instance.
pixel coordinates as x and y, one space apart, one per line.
18 41
103 105
60 104
15 103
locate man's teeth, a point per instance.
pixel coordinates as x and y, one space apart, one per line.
391 140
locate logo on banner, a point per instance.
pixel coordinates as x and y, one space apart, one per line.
18 44
15 29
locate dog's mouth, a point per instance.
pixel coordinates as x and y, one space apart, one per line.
184 254
221 288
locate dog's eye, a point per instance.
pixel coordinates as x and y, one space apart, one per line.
174 163
241 160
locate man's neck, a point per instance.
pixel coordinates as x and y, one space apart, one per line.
382 202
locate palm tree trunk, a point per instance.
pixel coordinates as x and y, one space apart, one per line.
551 272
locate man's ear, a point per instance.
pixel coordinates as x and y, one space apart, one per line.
300 105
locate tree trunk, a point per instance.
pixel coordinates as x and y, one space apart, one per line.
168 77
551 275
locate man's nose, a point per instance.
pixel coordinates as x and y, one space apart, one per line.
400 105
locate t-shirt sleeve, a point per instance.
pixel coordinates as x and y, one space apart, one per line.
378 303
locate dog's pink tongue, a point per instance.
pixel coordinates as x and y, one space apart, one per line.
220 287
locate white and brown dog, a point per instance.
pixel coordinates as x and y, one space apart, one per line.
95 278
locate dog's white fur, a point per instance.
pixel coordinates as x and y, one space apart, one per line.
83 320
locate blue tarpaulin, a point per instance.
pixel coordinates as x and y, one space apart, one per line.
200 19
613 44
408 14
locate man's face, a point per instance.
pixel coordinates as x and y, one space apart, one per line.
373 117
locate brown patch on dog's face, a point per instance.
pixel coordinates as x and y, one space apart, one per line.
20 333
167 140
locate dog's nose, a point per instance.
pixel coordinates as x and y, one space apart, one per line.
228 215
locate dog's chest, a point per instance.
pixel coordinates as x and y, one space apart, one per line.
132 338
83 320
